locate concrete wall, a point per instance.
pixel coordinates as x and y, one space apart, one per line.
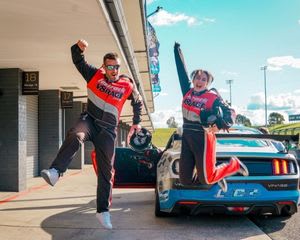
12 131
50 126
32 159
71 117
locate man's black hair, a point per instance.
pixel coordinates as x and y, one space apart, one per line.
111 55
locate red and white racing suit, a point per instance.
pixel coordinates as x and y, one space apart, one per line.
99 123
198 145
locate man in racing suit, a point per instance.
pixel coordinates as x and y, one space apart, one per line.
107 93
201 119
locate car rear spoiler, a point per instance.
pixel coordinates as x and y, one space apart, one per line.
281 138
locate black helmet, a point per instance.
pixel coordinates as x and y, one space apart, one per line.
210 117
141 140
222 118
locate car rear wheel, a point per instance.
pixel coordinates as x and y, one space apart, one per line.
158 212
287 211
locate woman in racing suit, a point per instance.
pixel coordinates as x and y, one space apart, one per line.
202 116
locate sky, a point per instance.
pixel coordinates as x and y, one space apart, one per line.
232 39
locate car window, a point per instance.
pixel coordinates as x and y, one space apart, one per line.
241 143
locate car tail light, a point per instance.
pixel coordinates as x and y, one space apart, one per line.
292 168
276 167
238 209
286 203
282 167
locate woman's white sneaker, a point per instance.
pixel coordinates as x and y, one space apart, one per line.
223 185
51 176
243 169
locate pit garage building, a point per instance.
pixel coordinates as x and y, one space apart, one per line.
36 36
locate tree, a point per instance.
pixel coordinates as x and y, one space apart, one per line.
171 122
275 118
241 119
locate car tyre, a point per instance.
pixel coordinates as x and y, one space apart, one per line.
287 211
158 212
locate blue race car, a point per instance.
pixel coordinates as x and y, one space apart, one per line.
272 186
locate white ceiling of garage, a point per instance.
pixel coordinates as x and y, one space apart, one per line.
37 35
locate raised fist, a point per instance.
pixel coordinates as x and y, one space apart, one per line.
82 44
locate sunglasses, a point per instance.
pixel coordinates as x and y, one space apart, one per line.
112 67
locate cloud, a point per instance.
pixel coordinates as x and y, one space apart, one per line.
284 103
210 20
148 2
257 116
297 91
223 90
257 101
274 68
229 73
160 118
277 63
163 94
164 18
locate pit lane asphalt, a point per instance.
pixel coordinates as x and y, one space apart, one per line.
67 211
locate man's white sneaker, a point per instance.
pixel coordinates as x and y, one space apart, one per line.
51 176
104 219
223 185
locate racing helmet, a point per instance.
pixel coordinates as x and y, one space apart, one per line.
209 117
223 120
141 140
